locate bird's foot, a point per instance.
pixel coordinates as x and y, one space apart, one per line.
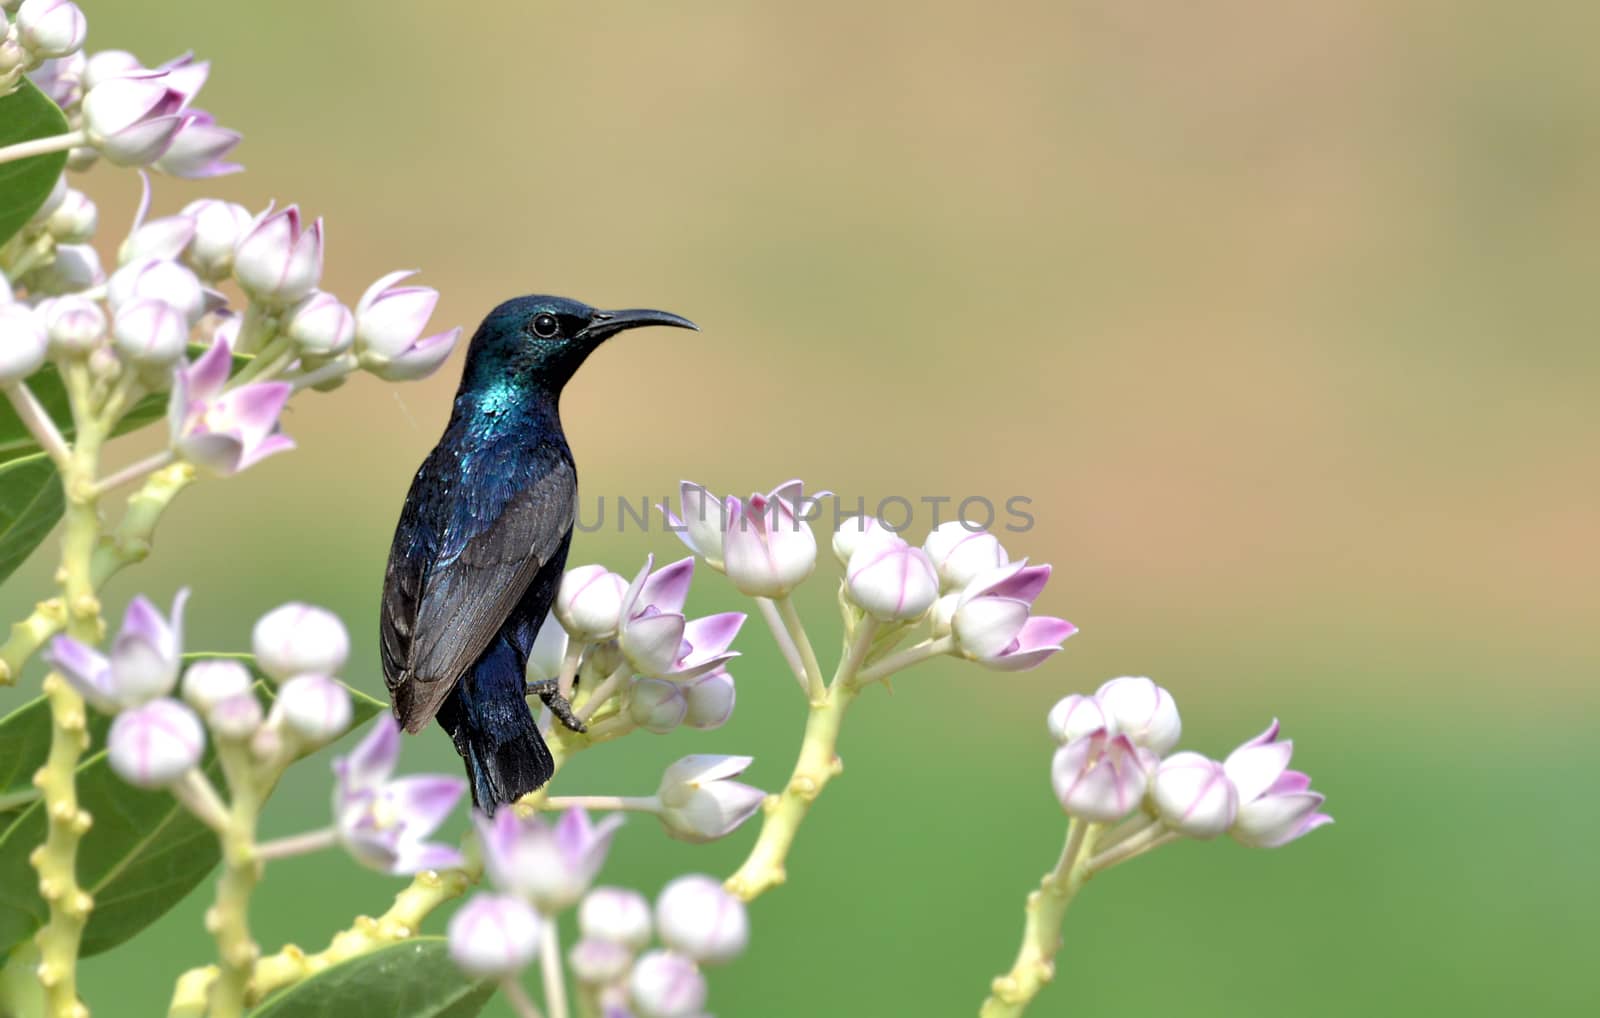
548 690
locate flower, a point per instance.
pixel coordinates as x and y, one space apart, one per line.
701 525
51 28
157 279
549 650
76 267
209 682
74 323
382 821
700 919
150 332
589 603
598 962
143 664
320 325
666 985
961 554
1142 711
1276 805
1075 716
23 342
1193 795
218 226
163 239
132 121
616 915
296 637
709 700
224 432
700 802
993 624
768 549
852 532
1100 777
278 261
657 705
549 865
62 79
237 717
494 936
890 580
653 634
198 149
74 220
314 707
155 744
389 320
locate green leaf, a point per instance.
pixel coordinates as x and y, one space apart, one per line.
143 855
16 440
27 114
412 979
30 505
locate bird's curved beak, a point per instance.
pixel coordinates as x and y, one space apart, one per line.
605 324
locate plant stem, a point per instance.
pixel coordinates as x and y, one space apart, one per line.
519 1000
1011 993
1138 844
808 656
134 471
195 791
42 146
780 635
229 918
297 844
914 654
39 424
555 984
336 368
602 693
635 803
56 860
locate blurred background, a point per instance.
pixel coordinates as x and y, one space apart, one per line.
1282 316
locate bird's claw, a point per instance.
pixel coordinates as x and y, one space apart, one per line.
548 690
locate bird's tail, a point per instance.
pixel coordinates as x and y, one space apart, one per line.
487 715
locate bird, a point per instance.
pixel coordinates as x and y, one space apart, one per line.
482 541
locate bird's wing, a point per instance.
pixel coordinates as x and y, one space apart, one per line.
438 618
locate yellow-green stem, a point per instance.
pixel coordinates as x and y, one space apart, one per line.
229 918
56 859
1035 966
818 763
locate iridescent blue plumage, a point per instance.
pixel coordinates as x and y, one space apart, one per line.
482 541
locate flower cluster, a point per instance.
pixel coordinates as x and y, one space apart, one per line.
1111 765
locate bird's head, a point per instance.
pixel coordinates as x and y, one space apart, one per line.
541 341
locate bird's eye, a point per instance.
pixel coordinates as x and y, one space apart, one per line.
545 326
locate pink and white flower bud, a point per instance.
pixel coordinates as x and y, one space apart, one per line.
224 430
23 343
74 323
132 121
962 554
156 744
165 281
62 79
1276 805
589 603
278 261
296 638
51 28
218 227
390 321
700 801
1075 716
198 151
320 325
1100 777
209 682
890 580
76 267
657 704
599 962
236 717
74 220
551 865
150 332
143 663
314 707
698 918
616 915
993 623
163 239
1193 795
710 698
701 523
853 532
1143 711
109 64
666 985
494 936
52 201
549 650
768 548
